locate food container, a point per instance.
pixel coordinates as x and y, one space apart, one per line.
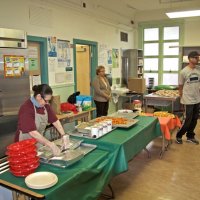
109 125
85 127
17 155
24 165
138 105
23 160
95 131
22 157
100 126
68 157
25 171
105 127
22 145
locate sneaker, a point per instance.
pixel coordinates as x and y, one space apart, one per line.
193 140
179 140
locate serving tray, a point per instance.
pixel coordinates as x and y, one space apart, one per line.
68 157
126 121
81 134
125 115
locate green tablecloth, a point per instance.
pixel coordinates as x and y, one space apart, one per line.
84 180
126 143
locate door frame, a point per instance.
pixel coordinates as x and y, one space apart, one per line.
94 59
43 56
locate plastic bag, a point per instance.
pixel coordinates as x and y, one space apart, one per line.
84 101
64 107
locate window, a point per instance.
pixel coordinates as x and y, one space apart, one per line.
161 53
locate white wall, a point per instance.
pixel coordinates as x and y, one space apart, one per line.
66 24
192 32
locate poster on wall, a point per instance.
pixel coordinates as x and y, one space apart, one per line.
64 58
33 64
52 63
33 60
115 58
13 66
102 54
70 77
52 46
109 57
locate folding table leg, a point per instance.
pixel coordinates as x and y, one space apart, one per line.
109 196
148 152
163 147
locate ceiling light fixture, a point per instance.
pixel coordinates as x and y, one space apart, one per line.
182 14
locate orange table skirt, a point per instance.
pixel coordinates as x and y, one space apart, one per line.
167 124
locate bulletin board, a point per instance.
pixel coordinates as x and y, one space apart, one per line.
13 66
59 61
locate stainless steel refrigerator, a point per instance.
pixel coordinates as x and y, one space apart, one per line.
14 90
132 65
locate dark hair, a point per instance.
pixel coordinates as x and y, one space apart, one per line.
193 54
42 89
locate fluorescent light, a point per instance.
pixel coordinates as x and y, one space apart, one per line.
179 14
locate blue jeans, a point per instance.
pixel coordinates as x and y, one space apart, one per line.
190 122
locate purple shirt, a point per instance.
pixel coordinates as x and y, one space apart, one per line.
26 117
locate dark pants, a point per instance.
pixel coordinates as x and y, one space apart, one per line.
102 108
190 122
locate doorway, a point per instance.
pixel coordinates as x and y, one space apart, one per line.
85 63
83 69
41 43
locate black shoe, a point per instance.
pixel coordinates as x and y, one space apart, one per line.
193 140
179 140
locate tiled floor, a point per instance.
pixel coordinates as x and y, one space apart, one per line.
174 177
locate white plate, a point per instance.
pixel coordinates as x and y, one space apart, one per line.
41 180
125 111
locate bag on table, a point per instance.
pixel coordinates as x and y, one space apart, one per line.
64 107
72 98
84 101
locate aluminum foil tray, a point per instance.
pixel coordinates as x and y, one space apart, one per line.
74 143
82 128
86 148
125 115
68 157
77 133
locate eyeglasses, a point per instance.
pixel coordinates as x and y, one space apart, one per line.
46 100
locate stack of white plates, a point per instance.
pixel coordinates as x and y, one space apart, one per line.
41 180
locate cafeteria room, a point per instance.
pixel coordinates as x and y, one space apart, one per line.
94 99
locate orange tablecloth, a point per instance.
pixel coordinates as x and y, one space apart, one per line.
167 124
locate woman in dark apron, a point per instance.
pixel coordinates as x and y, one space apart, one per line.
35 114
